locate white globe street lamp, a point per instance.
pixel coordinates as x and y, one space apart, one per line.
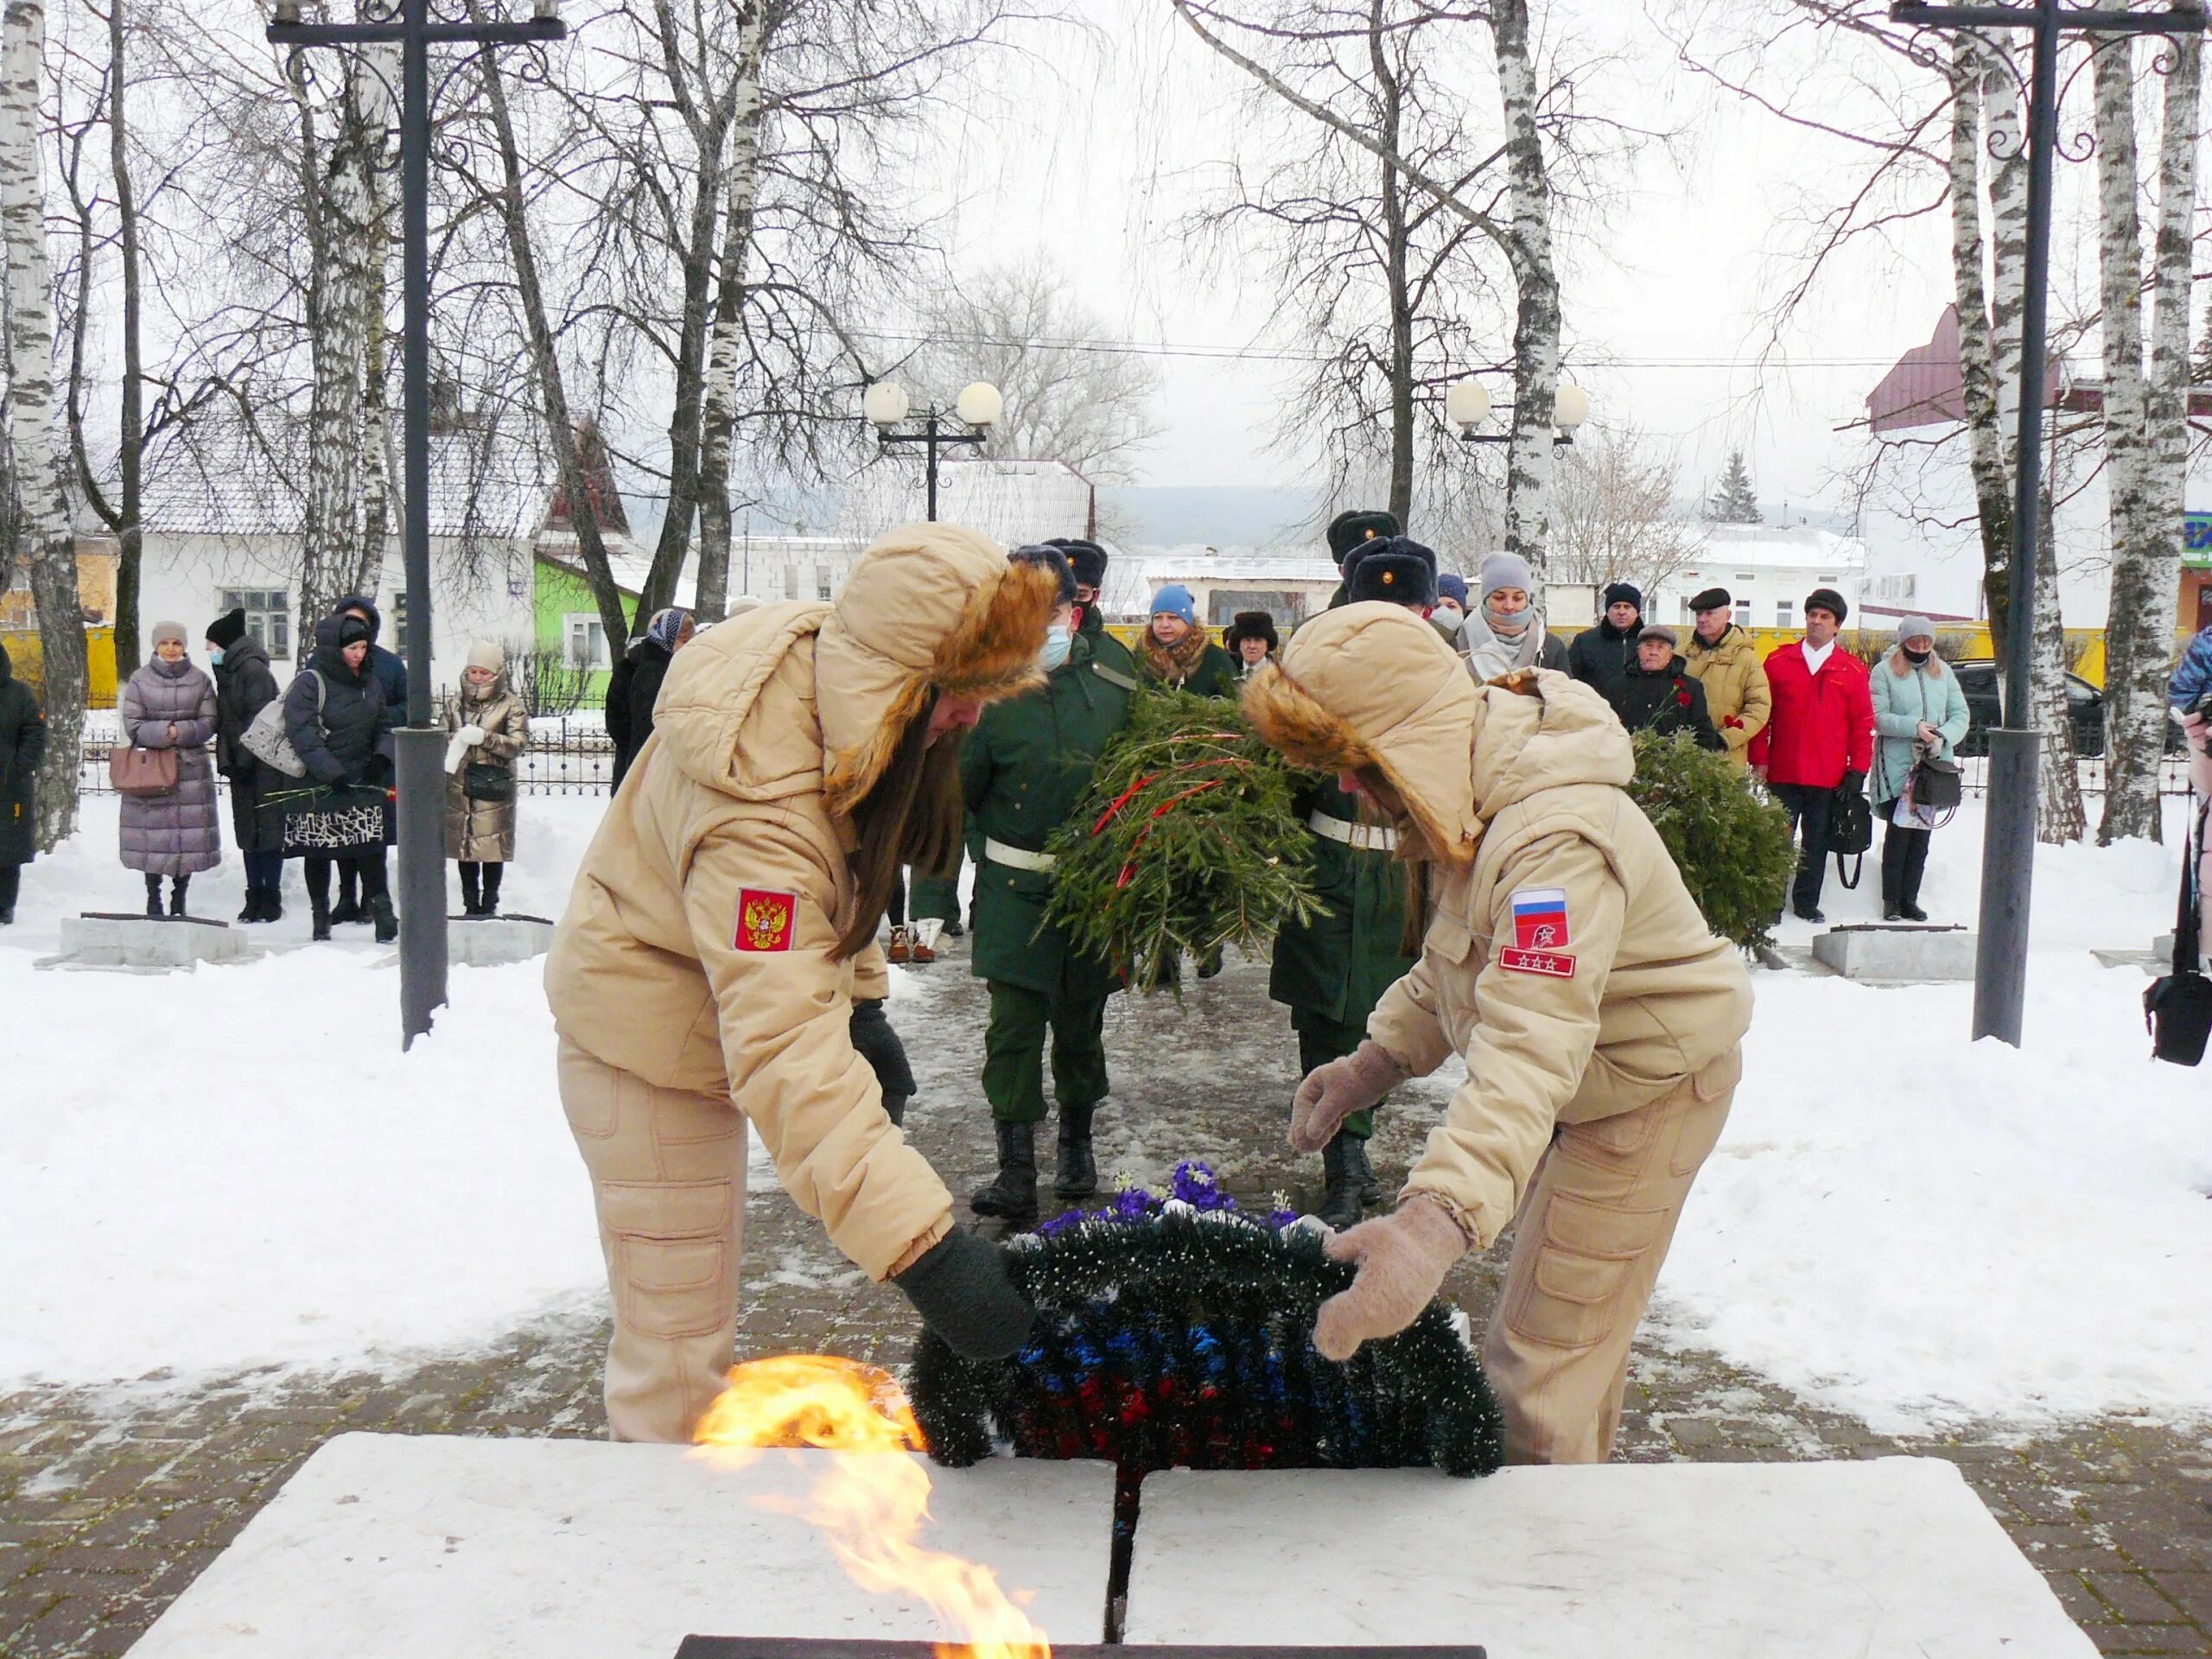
885 404
978 408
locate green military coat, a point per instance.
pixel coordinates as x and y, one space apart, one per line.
1023 771
1338 963
1105 649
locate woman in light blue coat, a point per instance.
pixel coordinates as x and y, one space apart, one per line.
1918 711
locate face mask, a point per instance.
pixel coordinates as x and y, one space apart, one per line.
1916 657
1058 641
215 655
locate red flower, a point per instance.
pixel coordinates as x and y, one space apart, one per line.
1682 697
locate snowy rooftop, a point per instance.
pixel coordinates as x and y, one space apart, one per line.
1777 545
214 479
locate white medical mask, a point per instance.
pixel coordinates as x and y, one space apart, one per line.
1058 641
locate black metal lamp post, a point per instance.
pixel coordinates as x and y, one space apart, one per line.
2000 978
1467 405
977 407
421 745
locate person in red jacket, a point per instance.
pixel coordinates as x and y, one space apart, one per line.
1820 739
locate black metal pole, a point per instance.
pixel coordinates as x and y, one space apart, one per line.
421 746
929 448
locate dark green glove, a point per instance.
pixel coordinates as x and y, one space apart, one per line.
960 1287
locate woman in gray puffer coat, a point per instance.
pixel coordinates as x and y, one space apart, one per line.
169 704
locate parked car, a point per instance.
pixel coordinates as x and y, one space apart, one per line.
2085 703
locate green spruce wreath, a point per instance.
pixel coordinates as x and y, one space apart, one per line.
1730 840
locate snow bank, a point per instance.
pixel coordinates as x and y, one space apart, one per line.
1923 1231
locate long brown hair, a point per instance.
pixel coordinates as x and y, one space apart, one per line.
913 816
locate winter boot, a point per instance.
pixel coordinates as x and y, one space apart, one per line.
178 887
348 907
154 898
1340 1200
272 904
1077 1176
471 893
1363 1173
386 919
492 873
252 912
1916 866
1013 1193
319 915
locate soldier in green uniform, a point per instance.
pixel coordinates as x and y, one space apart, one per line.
1349 530
1332 970
1023 770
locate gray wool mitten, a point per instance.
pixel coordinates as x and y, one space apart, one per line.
1333 1092
1402 1258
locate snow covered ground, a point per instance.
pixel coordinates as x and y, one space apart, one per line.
201 1172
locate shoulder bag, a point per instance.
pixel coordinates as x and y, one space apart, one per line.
266 739
483 781
134 771
1851 832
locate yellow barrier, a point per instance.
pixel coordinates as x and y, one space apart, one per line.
28 661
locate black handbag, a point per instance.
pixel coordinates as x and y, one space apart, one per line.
2177 1009
1851 832
483 781
1935 783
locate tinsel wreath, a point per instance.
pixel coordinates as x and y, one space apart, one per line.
1188 841
1179 1332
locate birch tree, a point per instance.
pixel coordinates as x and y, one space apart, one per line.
1537 318
33 436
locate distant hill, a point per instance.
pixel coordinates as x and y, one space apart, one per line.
1226 516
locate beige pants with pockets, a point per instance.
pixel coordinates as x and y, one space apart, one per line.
1586 1250
668 1177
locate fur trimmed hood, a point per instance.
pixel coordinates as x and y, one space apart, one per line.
799 696
1372 684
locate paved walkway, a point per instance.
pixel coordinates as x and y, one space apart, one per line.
105 1515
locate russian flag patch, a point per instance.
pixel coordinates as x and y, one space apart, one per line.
1540 919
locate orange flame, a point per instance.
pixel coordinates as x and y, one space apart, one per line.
873 1506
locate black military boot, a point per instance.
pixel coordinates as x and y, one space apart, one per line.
1077 1176
1340 1201
1363 1174
1013 1194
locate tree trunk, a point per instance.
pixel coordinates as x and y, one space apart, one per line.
1397 245
546 363
131 436
337 298
1992 482
1536 322
2059 817
2008 229
40 467
718 421
2137 614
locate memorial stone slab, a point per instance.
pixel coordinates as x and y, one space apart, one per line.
1891 1557
1896 954
395 1547
145 942
488 942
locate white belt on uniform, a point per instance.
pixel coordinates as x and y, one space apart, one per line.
997 852
1367 837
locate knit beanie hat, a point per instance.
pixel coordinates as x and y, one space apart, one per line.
165 631
1914 627
226 629
1175 600
1348 529
1086 559
1397 570
1450 585
1508 570
350 628
1826 599
1712 599
486 654
1046 556
1622 592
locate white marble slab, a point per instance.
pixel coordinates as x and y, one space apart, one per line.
145 942
1902 953
1784 1560
493 941
391 1546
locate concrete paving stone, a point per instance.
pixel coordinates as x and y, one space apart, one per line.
2149 1641
2133 1597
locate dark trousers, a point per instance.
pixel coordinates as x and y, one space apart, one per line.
1808 809
364 869
11 883
1321 1040
479 884
264 871
1014 1054
1904 859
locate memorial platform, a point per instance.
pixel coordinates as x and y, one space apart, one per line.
148 943
1897 953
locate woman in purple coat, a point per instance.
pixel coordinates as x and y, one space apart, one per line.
169 704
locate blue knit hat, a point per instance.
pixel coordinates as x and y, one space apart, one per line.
1450 585
1176 600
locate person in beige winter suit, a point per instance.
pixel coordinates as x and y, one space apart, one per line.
1565 961
722 923
489 728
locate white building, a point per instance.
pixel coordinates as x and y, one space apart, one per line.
1768 570
224 529
1290 586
